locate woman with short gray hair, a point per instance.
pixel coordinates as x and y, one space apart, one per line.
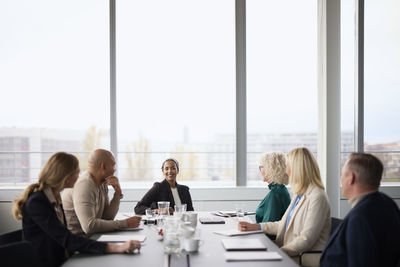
273 169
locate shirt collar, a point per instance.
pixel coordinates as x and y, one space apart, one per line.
271 185
50 196
355 200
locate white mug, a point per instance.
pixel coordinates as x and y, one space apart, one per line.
191 245
187 231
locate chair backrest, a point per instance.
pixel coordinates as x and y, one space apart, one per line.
11 237
335 223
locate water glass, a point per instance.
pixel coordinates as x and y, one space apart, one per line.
150 216
180 209
240 212
149 213
163 207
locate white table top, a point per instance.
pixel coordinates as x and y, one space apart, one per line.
211 252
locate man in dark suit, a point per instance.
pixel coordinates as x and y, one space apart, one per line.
370 233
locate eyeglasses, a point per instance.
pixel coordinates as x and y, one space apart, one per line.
260 167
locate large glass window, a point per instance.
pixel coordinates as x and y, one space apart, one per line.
382 83
176 89
282 108
347 38
54 81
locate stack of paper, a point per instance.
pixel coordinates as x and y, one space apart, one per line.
230 213
252 256
234 244
235 232
121 238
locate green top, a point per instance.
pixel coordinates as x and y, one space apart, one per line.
274 205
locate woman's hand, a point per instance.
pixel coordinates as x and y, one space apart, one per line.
127 247
245 226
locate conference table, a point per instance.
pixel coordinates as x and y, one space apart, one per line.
211 251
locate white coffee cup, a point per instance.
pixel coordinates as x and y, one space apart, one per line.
191 245
187 231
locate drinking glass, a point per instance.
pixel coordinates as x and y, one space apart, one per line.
163 208
150 216
240 212
180 209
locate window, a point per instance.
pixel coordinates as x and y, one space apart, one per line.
176 85
54 67
347 78
382 83
282 111
176 89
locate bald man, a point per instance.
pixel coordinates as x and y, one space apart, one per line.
87 207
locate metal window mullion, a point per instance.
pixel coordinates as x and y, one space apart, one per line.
113 83
359 78
241 129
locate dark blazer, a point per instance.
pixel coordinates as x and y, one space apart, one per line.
49 237
368 236
162 192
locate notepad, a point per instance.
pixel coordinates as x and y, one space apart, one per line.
211 220
230 213
121 238
252 256
235 232
243 244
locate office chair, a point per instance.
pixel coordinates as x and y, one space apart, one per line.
14 251
334 224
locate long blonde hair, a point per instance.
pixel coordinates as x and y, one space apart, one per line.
55 172
304 170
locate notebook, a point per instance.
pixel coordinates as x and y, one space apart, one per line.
211 220
230 213
252 256
235 232
234 244
121 238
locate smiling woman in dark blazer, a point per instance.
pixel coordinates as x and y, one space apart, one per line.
167 190
43 219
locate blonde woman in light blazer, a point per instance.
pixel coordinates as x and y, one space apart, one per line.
306 223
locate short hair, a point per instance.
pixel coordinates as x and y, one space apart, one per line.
304 170
274 164
173 160
367 167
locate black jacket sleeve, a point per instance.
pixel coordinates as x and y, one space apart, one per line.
49 236
148 199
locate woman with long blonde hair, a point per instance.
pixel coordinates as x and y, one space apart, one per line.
43 219
306 223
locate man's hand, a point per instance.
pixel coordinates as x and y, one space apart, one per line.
245 226
133 221
113 181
